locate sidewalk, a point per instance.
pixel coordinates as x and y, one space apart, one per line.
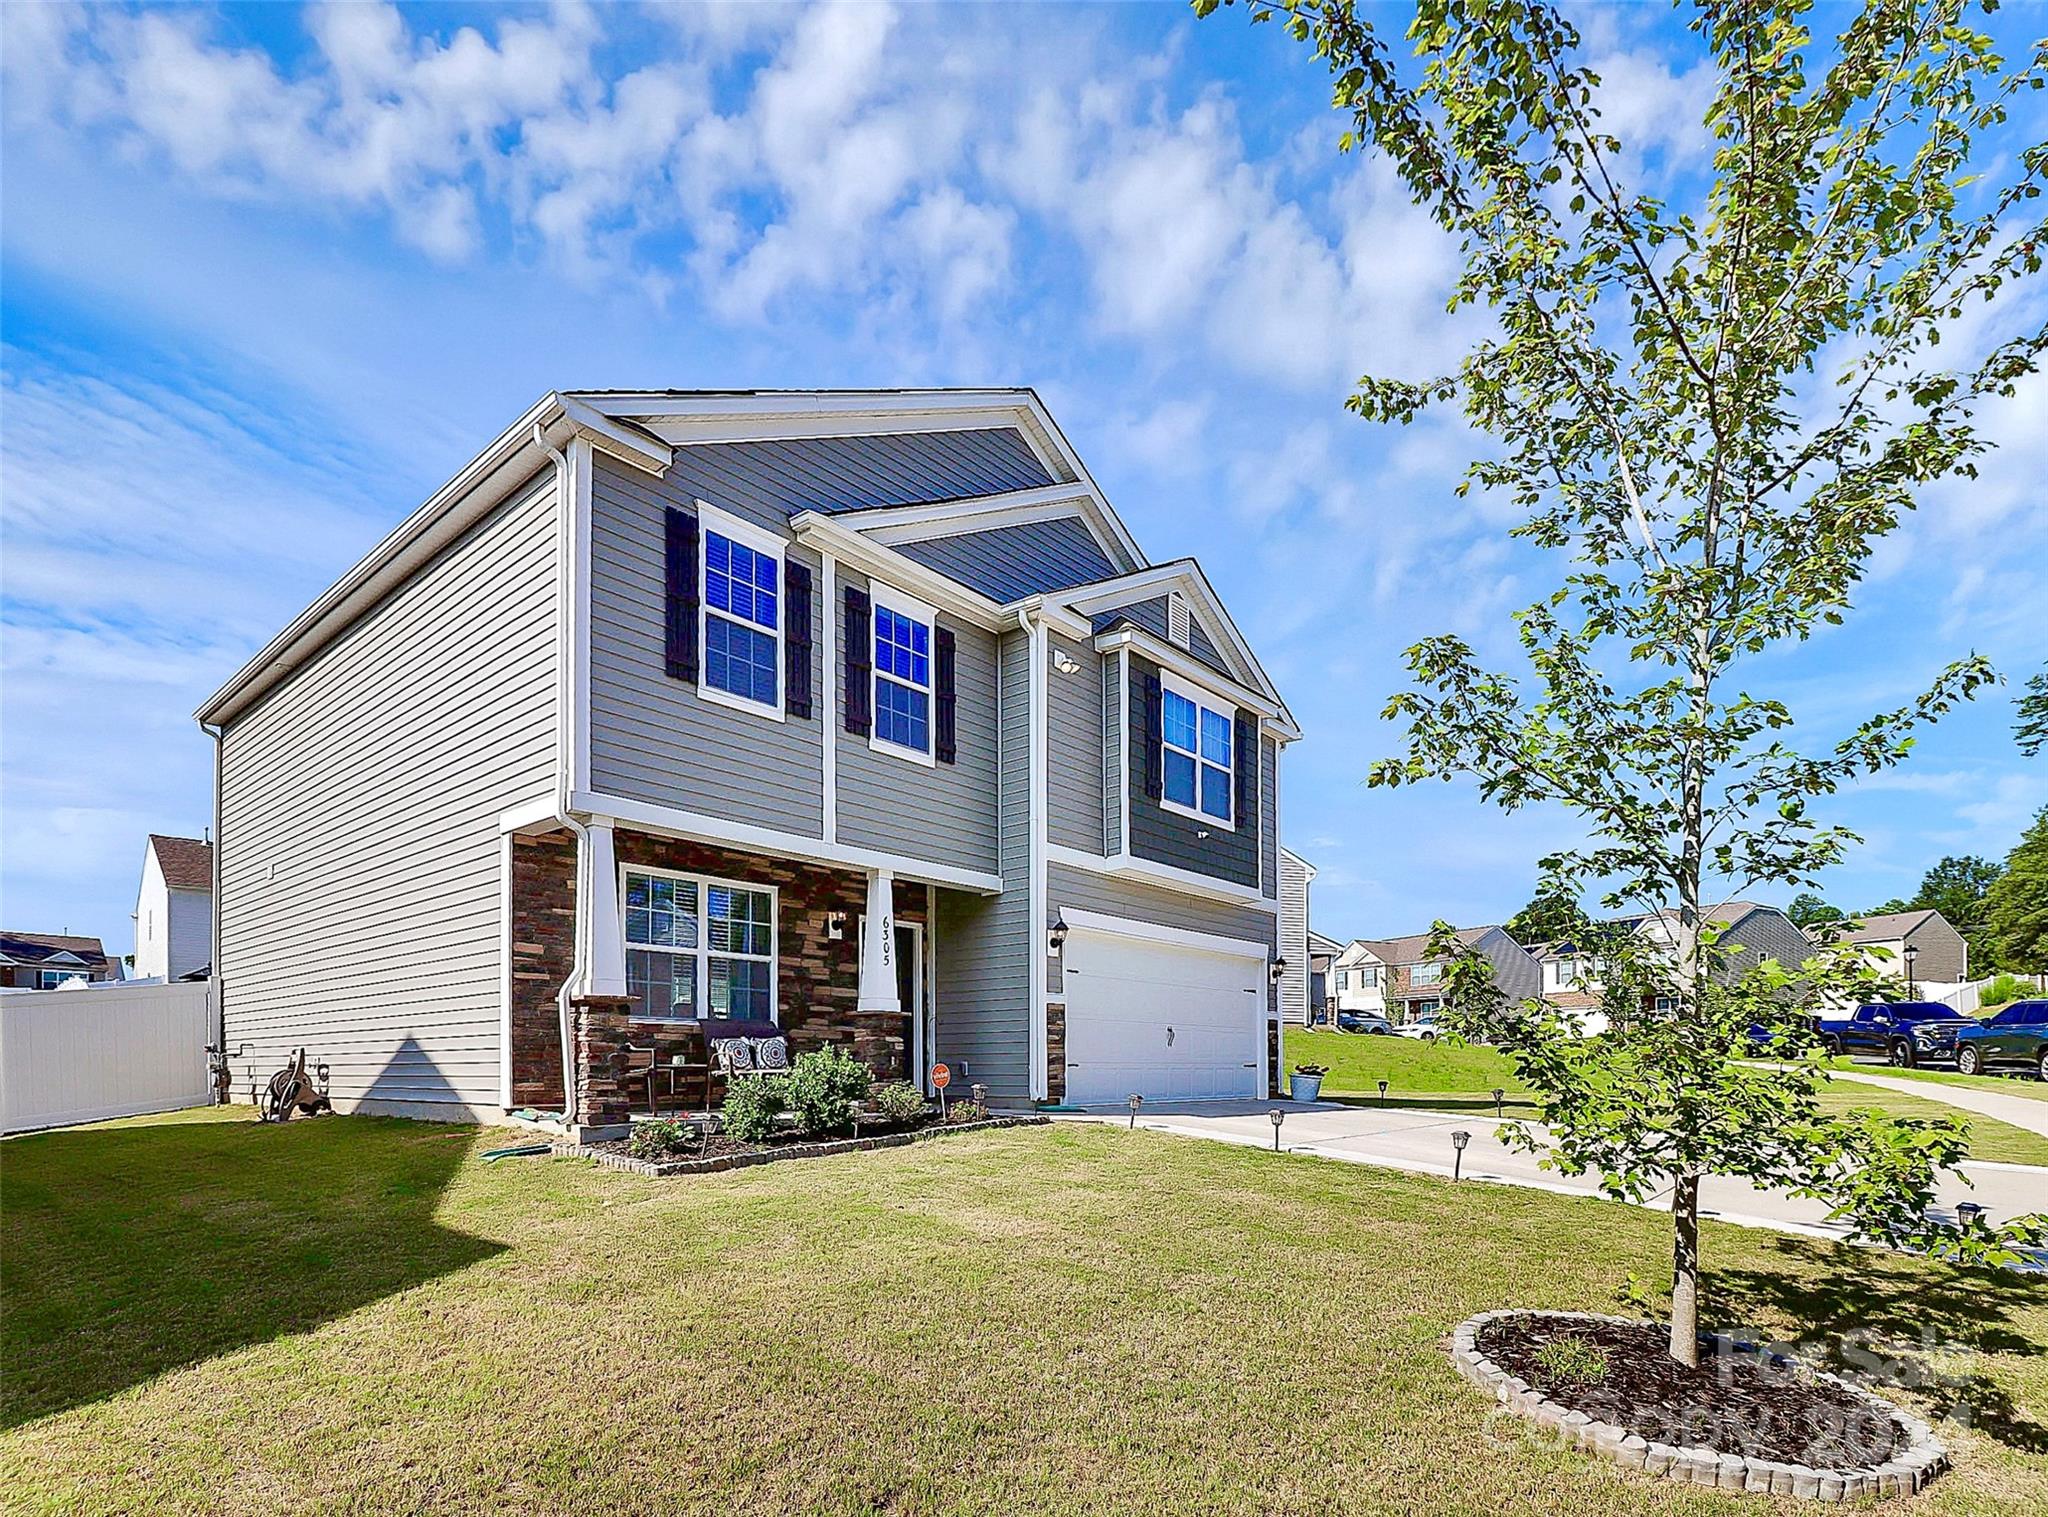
1420 1143
1990 1101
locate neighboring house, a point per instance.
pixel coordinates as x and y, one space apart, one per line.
1410 982
1296 875
1357 979
45 960
1322 960
861 712
174 910
1941 955
1571 969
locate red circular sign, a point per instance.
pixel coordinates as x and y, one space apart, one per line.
941 1077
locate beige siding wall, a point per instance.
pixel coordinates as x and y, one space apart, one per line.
359 805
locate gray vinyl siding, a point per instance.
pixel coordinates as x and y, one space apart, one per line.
775 480
655 739
1009 563
1770 934
359 804
1515 970
1073 748
1085 890
189 932
984 973
1293 940
1113 754
941 813
1942 953
1200 645
1151 616
1167 837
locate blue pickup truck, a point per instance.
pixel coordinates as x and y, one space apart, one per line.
1905 1034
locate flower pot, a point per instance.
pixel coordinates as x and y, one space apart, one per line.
1305 1087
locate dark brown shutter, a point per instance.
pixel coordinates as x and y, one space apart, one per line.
1154 734
679 642
1247 756
860 664
796 640
945 673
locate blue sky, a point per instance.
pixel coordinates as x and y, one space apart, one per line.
268 276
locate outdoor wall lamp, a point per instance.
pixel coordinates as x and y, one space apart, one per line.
1056 939
1064 664
1276 970
1458 1141
1276 1116
835 926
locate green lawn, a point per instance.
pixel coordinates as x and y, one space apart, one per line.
351 1315
1440 1077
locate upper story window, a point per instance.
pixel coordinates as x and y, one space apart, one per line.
903 676
1425 974
742 616
698 947
1196 734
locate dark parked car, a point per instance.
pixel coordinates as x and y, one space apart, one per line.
1909 1033
1363 1021
2014 1038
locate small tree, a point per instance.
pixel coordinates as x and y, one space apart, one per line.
2018 903
2031 726
1648 391
1549 917
1809 910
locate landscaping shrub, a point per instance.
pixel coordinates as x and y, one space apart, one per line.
900 1104
2007 987
825 1089
753 1104
663 1138
1573 1361
967 1111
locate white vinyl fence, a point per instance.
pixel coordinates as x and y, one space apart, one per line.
83 1055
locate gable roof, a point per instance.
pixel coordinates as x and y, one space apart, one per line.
1886 925
1414 948
187 863
52 947
1319 943
1009 562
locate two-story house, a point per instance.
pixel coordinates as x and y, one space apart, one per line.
1409 982
1940 954
860 712
174 908
1750 931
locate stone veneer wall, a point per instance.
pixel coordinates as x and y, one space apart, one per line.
1055 1052
818 980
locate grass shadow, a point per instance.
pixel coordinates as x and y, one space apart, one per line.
138 1249
1451 1101
1872 1317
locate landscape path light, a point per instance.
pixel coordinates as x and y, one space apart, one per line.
1969 1213
1134 1103
1383 1092
1458 1141
1498 1095
1276 1116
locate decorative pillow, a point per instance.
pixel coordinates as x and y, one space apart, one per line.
771 1053
734 1055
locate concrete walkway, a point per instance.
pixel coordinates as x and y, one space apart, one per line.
1420 1142
1987 1100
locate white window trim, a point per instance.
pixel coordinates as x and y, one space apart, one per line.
882 597
704 952
1223 707
709 520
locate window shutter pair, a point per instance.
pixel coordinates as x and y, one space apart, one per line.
682 602
1247 755
796 640
859 662
1151 704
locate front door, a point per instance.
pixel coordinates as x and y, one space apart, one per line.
910 996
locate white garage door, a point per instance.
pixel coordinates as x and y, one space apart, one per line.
1167 1021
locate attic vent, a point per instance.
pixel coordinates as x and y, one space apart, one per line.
1177 621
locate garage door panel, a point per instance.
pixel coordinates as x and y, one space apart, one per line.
1167 1021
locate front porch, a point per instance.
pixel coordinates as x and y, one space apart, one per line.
685 932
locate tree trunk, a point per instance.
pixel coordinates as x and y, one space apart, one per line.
1685 1271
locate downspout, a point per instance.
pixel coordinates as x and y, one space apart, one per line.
579 969
220 1000
1038 1083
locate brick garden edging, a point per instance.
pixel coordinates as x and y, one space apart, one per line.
1903 1474
662 1168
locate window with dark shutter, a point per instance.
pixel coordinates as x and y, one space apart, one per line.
948 695
679 622
859 671
1150 696
796 641
1247 770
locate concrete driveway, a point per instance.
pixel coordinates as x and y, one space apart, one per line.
1420 1142
1987 1100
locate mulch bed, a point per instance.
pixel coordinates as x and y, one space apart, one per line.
1731 1402
719 1152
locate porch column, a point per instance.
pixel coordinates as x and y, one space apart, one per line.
878 945
607 941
